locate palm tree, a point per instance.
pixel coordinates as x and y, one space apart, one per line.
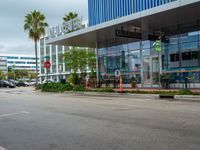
35 25
70 16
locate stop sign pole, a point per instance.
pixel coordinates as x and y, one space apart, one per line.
47 65
118 75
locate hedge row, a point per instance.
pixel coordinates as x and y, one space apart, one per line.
54 87
59 87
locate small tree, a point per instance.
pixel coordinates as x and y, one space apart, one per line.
2 75
21 74
79 60
11 75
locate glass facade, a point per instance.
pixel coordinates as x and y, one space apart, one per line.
104 10
180 56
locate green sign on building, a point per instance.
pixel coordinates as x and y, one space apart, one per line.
158 46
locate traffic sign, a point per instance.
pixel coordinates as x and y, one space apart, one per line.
158 45
47 64
117 73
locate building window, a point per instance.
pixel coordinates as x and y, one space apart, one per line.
189 56
174 57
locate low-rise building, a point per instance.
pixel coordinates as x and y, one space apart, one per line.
20 62
3 64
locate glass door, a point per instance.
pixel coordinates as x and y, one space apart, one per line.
150 71
155 70
147 71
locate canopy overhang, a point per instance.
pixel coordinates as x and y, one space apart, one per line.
173 13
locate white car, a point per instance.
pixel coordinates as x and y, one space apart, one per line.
48 81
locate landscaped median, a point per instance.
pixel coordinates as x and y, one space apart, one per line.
142 93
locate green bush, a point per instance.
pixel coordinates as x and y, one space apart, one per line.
39 86
109 90
180 92
185 92
55 87
79 88
74 79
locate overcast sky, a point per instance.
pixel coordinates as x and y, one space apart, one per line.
13 39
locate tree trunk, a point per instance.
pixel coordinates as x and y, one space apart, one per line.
36 56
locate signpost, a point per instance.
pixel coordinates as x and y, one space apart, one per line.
118 75
47 65
86 82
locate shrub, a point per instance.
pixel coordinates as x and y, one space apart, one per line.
39 86
107 90
74 79
185 92
79 88
55 87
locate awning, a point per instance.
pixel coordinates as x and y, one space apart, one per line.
176 12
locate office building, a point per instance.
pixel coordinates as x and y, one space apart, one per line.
3 64
124 33
20 62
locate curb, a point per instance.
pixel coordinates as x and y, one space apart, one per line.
186 98
191 98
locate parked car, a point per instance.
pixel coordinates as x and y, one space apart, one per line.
48 81
32 82
14 82
21 83
4 83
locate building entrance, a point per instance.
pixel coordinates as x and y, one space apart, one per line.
150 71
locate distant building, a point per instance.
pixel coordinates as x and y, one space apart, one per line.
3 64
20 62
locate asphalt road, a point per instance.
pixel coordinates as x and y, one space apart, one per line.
32 120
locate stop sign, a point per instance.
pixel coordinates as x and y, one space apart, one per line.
47 64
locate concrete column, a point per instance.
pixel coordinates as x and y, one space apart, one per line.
51 60
97 62
57 65
45 54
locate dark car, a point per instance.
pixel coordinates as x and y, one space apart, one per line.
6 84
21 83
14 82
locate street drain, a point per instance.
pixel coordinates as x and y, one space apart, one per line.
166 96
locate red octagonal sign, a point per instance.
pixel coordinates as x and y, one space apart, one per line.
47 64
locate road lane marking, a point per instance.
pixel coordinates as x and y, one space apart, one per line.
14 114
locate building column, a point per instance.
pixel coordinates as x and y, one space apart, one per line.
57 65
97 62
51 69
141 68
45 54
64 69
